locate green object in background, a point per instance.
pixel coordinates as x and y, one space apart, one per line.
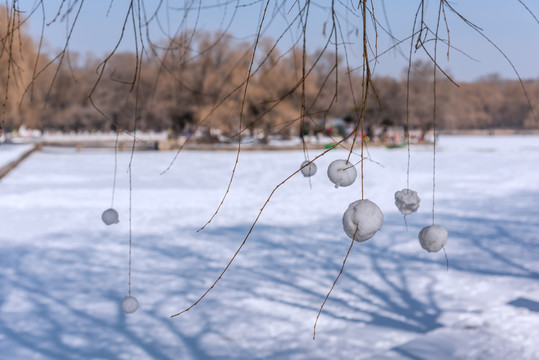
395 146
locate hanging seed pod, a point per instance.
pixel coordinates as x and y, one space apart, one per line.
129 304
342 173
362 220
308 170
433 238
407 201
110 216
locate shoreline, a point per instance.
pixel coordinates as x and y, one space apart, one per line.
98 142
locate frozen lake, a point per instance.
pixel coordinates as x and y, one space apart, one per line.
63 273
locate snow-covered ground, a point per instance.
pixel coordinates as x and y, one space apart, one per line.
10 152
63 273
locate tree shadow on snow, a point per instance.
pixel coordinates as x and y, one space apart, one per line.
56 303
374 289
62 301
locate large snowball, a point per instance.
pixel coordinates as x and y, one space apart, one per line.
433 238
110 216
362 218
407 201
342 173
129 305
308 170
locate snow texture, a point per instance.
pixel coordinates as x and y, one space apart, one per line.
407 201
129 304
110 216
309 170
433 238
63 275
362 220
342 173
10 153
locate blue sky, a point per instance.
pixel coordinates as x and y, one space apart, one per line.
507 23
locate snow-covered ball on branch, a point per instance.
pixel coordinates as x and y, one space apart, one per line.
129 305
308 170
362 220
433 238
110 216
342 173
407 201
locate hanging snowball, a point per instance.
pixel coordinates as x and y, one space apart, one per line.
407 201
433 238
342 173
362 218
308 170
110 216
129 305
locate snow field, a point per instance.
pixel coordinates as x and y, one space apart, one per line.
10 153
63 273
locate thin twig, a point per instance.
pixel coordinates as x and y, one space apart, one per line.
242 110
334 283
252 227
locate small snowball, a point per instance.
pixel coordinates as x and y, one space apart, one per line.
342 173
309 170
129 305
362 218
407 201
433 238
110 216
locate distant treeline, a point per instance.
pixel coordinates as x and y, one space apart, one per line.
201 78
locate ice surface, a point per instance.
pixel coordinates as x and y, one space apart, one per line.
362 220
342 173
407 201
63 274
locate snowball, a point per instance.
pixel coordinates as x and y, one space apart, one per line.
433 238
110 216
129 305
407 201
362 218
342 173
308 170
